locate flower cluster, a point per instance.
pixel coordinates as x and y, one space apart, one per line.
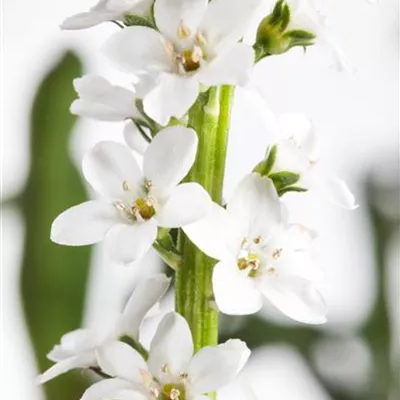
178 54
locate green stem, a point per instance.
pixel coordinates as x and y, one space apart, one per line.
194 295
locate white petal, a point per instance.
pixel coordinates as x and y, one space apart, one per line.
82 361
130 395
127 243
109 168
138 49
88 19
171 97
134 139
187 203
338 193
297 298
172 346
215 235
101 100
120 360
226 21
234 291
255 206
214 367
145 296
78 340
105 389
84 224
171 14
232 67
170 156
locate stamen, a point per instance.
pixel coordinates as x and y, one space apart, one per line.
276 255
165 369
183 375
148 184
126 186
271 271
155 393
257 240
197 54
175 394
184 31
200 39
147 379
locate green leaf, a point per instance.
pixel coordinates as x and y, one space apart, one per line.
283 179
53 277
136 20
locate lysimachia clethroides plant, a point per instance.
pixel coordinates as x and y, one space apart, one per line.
183 60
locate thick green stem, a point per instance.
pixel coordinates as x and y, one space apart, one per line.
194 295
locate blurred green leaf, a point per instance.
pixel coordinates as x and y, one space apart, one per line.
53 277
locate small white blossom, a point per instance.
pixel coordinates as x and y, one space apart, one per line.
135 202
260 254
107 10
78 348
197 43
298 151
172 371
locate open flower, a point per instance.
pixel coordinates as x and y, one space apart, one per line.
197 43
298 151
171 372
136 202
107 10
78 348
259 254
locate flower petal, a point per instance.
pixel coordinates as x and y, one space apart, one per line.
145 296
89 19
215 234
297 298
338 193
187 203
255 206
134 139
169 157
110 168
223 30
172 96
120 360
234 291
232 67
85 360
172 346
128 243
105 389
214 367
170 15
138 49
103 101
84 224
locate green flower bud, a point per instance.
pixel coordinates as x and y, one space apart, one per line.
274 35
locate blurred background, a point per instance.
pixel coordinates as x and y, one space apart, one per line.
47 289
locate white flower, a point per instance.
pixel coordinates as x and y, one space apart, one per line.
259 254
172 371
107 10
306 15
136 202
78 348
197 44
298 151
100 100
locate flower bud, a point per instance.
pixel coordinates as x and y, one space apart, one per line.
275 36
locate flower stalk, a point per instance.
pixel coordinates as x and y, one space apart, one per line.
210 117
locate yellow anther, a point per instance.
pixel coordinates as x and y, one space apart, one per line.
257 240
184 31
276 255
175 394
200 39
